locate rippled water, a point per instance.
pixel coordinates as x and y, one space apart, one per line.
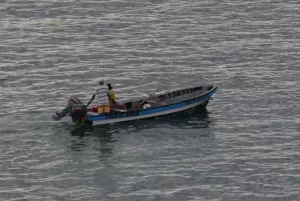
245 147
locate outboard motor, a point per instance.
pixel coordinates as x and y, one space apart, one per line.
78 113
68 109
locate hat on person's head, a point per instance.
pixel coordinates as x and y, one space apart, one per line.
109 86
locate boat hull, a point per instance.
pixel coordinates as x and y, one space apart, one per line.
165 110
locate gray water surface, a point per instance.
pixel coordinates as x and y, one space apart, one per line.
244 147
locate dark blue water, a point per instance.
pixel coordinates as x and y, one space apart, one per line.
244 147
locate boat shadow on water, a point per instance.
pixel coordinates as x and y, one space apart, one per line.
195 118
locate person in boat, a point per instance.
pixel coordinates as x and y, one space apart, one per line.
112 99
111 94
103 98
60 114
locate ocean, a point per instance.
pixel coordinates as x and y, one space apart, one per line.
245 146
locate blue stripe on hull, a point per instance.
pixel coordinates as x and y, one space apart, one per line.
97 118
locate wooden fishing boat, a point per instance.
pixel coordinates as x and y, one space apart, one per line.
160 104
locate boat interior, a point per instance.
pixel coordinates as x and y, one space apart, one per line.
161 99
158 100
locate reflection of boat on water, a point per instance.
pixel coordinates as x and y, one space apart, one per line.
105 137
197 118
102 139
162 104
